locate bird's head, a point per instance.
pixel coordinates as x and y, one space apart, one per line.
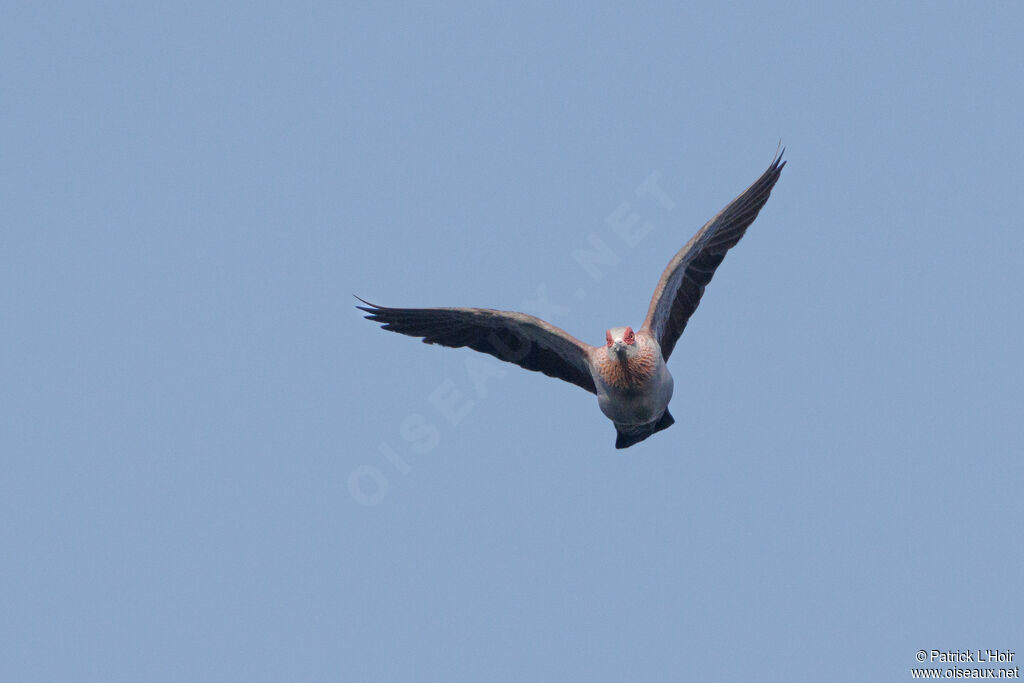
620 343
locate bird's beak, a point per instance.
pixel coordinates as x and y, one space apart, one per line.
618 347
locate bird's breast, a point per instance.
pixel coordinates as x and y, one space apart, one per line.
634 391
630 374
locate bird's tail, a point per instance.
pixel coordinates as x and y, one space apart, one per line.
629 435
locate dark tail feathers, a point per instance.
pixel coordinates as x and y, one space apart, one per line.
625 439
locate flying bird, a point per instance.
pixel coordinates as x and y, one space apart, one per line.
628 373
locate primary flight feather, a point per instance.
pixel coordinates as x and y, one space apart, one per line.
628 373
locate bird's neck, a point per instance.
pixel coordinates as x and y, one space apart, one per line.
629 373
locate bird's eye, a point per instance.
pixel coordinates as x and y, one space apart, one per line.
629 336
608 338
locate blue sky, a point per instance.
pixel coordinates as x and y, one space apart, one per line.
214 469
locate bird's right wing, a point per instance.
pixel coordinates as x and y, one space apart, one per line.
518 338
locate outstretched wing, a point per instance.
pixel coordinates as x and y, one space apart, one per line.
518 338
682 284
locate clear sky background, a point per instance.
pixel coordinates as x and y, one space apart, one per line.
213 469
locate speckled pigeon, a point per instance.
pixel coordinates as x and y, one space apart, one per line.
628 373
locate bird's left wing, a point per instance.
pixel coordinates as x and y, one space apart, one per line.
518 338
682 284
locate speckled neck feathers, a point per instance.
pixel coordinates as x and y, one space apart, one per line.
631 373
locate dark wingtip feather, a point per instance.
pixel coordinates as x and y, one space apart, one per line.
359 298
373 309
777 162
